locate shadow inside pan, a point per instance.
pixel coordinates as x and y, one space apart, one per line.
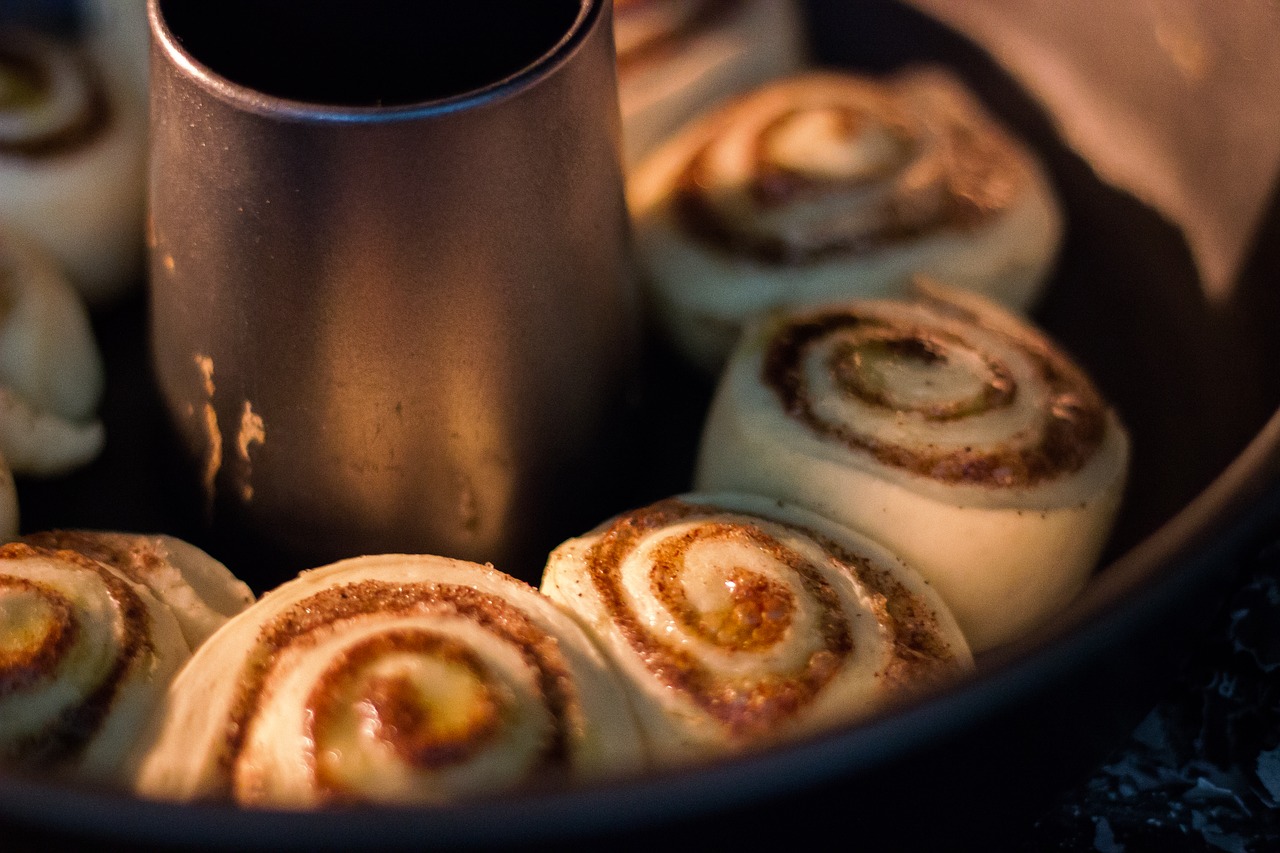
1194 382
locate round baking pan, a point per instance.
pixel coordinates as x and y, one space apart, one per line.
971 765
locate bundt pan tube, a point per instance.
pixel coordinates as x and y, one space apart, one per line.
1195 383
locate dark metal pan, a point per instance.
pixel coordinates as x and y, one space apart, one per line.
1196 383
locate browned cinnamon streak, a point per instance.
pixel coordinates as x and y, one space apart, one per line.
979 171
1071 429
132 556
300 626
761 609
751 708
26 61
67 735
23 667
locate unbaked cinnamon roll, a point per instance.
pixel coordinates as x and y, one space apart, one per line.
201 592
85 656
678 58
948 429
72 161
740 621
395 679
51 373
830 185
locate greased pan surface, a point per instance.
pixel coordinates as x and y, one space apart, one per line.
1194 382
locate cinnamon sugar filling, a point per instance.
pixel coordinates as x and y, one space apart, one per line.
398 714
1071 427
760 615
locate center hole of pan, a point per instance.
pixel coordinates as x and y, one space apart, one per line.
371 53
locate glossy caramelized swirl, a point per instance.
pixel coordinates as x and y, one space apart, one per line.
741 622
830 184
956 434
391 679
84 657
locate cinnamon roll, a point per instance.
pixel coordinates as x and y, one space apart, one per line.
72 161
201 592
948 429
830 185
677 58
740 621
51 372
85 656
395 679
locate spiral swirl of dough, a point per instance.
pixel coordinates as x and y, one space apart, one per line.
50 99
72 161
200 591
829 185
958 435
85 657
741 621
678 58
399 679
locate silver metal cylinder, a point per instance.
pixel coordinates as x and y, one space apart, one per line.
389 290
